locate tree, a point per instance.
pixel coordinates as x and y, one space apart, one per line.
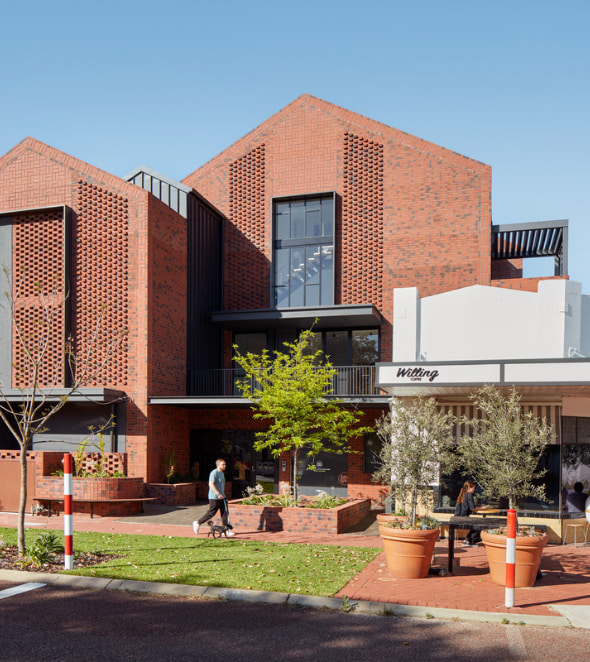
504 445
45 359
291 389
417 446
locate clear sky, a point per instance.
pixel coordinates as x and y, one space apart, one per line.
169 84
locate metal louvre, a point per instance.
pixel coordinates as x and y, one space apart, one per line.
527 240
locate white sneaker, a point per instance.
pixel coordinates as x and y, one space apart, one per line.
229 533
196 528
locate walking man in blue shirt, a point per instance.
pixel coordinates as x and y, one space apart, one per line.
216 498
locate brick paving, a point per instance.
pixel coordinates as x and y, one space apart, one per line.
565 581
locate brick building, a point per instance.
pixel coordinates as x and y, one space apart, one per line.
317 213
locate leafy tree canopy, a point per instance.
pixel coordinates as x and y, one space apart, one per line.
503 446
291 391
417 445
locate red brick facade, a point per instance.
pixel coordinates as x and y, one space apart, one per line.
128 260
408 213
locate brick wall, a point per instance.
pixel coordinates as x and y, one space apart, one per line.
128 255
525 284
303 520
167 300
409 213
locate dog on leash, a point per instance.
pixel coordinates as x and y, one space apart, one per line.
217 530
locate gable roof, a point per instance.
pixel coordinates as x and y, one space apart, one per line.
351 121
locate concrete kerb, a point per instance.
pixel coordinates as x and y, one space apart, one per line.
570 617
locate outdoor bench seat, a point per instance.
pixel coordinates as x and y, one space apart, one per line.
50 500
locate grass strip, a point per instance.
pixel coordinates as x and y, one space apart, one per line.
320 570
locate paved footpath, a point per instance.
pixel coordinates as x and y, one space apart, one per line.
560 597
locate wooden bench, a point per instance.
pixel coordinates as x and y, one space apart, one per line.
50 500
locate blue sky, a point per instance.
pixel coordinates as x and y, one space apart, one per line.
170 84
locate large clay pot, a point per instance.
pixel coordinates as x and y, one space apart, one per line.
528 558
408 551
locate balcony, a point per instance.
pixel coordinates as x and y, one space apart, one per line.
348 382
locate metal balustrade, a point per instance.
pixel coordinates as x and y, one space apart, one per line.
349 381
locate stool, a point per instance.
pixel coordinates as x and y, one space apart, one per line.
575 527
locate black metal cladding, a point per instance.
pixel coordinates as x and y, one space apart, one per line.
205 287
527 240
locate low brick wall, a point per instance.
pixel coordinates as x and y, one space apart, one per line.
52 487
172 494
304 520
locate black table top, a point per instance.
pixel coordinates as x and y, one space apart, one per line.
477 523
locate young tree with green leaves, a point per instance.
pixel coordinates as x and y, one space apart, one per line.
417 446
504 445
291 390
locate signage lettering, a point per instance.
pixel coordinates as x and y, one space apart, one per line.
417 374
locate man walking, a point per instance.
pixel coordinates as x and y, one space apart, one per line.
216 498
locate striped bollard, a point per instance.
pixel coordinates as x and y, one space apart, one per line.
68 516
510 557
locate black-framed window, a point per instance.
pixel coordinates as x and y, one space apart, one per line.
303 251
251 343
347 347
372 444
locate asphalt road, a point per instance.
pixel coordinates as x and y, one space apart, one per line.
52 623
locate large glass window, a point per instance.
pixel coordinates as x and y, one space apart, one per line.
365 346
303 254
252 343
347 347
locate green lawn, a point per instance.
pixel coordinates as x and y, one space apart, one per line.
288 568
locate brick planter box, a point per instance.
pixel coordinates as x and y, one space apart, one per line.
304 520
172 494
52 487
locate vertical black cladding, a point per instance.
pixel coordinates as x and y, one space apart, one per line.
205 287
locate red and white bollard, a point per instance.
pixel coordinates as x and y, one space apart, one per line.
68 513
510 557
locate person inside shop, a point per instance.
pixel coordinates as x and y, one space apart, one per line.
465 506
576 500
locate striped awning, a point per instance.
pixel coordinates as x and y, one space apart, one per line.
551 413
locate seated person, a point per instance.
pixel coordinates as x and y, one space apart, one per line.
465 506
576 500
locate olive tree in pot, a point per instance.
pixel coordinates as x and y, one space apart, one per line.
502 451
417 443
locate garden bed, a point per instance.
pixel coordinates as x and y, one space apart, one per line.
262 517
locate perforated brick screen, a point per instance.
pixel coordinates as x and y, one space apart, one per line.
245 239
38 295
362 221
101 274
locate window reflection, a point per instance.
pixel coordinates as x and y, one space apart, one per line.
303 252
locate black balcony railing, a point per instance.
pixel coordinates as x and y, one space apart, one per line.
349 381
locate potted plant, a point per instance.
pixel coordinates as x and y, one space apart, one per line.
502 451
529 548
417 441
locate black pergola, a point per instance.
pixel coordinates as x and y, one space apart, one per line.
525 240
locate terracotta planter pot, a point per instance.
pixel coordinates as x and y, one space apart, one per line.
382 518
408 552
528 558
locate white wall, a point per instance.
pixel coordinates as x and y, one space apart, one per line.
490 323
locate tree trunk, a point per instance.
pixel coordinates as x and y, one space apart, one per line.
414 507
20 527
294 461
